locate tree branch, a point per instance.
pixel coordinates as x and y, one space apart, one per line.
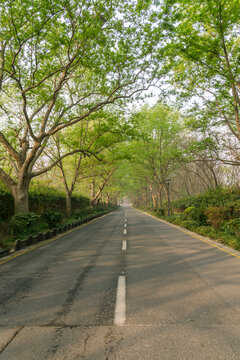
85 152
10 149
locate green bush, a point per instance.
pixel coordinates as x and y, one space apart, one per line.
175 219
217 197
187 211
6 204
189 224
232 227
160 212
52 218
233 208
196 214
21 223
83 213
41 197
208 231
236 244
227 228
216 215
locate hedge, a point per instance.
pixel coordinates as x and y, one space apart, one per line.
41 198
218 197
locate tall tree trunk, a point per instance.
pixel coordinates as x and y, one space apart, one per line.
92 189
68 203
98 195
153 197
21 197
107 199
159 194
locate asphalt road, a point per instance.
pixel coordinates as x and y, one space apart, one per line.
126 286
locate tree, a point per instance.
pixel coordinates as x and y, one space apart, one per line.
95 134
61 61
156 153
202 62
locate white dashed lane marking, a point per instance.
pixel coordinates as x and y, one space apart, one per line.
124 245
120 309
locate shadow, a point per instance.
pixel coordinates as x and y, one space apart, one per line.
182 295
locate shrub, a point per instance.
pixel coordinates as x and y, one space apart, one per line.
216 215
6 204
234 208
208 231
21 223
196 214
187 211
227 228
232 227
41 197
217 197
189 224
160 212
237 245
82 213
52 218
175 219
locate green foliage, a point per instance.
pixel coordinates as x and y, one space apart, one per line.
203 54
83 213
73 60
187 211
52 218
160 212
20 224
232 227
196 214
41 197
189 224
218 197
208 231
216 215
6 204
154 153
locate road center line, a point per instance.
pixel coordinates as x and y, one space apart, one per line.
124 245
120 309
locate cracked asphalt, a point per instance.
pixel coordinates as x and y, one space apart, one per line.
182 296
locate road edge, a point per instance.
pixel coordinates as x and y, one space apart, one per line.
207 240
16 253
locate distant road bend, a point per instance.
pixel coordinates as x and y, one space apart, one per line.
125 286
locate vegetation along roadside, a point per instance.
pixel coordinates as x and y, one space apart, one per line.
47 213
215 214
